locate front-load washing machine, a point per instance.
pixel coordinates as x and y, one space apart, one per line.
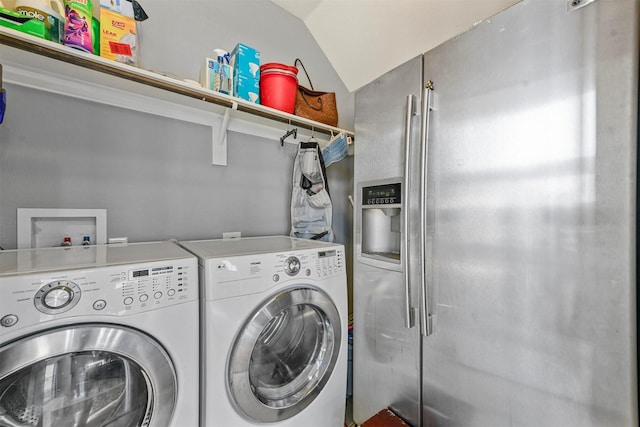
274 332
103 335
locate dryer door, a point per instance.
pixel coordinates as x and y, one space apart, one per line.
284 354
86 375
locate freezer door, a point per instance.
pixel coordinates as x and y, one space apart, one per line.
386 353
531 212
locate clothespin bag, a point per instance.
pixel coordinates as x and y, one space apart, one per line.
311 207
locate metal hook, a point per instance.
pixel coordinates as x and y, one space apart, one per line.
312 138
293 132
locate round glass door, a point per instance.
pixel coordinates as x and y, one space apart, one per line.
284 355
86 376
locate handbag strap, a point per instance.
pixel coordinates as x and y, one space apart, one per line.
304 69
306 101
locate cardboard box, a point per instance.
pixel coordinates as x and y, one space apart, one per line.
245 61
246 88
118 37
16 21
123 7
210 76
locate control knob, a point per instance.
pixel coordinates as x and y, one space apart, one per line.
292 266
57 297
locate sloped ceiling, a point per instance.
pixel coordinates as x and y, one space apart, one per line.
363 39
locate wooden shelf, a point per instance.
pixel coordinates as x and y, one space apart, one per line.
29 55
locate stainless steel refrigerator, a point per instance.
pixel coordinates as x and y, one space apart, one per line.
495 224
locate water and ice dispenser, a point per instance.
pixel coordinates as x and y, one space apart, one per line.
380 219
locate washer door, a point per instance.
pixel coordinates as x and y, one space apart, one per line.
284 355
86 375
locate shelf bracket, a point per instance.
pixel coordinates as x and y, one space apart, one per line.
219 140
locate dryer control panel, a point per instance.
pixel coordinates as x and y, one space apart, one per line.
248 274
120 290
329 262
315 264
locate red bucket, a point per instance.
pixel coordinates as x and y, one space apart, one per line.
278 86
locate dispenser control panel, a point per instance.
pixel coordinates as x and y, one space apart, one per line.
387 194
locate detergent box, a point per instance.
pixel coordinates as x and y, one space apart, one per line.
16 21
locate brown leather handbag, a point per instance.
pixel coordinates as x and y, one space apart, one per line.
315 105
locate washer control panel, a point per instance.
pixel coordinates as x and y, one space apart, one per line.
105 291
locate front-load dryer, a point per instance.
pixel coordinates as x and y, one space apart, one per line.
274 332
103 335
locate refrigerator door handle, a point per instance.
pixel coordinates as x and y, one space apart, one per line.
426 325
409 319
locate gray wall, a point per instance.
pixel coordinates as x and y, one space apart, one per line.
179 34
152 174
